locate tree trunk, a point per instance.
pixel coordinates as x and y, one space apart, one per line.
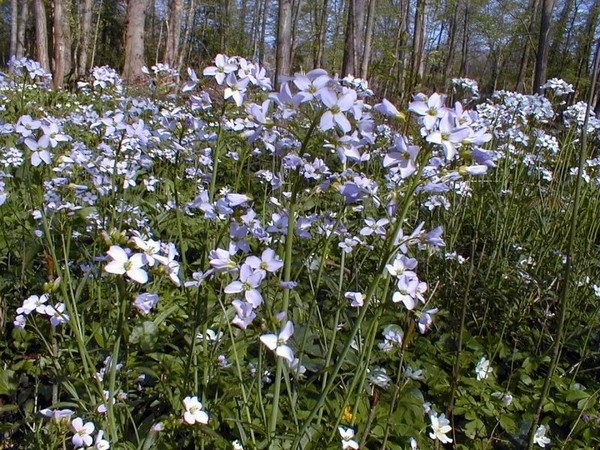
96 32
173 32
14 21
59 44
85 38
355 36
451 40
296 8
584 49
283 52
533 7
464 59
366 55
190 20
541 58
22 27
134 41
418 48
558 40
320 34
41 35
348 62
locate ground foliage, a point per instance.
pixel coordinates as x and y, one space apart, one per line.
221 265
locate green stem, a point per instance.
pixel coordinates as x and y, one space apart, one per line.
564 297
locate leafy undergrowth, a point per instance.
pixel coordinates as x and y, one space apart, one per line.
221 265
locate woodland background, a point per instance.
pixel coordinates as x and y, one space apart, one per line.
399 46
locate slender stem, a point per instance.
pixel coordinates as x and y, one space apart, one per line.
564 294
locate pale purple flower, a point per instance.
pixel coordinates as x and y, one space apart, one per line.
221 260
431 109
26 125
277 343
358 299
221 68
373 226
235 89
248 283
244 314
57 314
39 152
269 261
388 109
334 115
448 137
426 320
57 414
52 135
145 302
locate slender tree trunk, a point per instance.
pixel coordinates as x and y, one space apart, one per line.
14 21
558 39
348 61
134 41
584 49
464 60
296 8
173 32
59 44
451 40
533 7
263 32
321 29
283 63
41 34
418 48
190 20
23 18
96 32
85 38
366 56
541 59
224 24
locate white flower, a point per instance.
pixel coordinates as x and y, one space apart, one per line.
277 343
122 264
347 435
483 369
540 436
83 433
193 411
440 426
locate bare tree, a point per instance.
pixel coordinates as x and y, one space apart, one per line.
321 25
464 59
173 31
418 47
60 49
85 38
14 13
41 34
22 27
189 23
283 51
134 40
533 7
453 25
354 37
366 55
541 59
